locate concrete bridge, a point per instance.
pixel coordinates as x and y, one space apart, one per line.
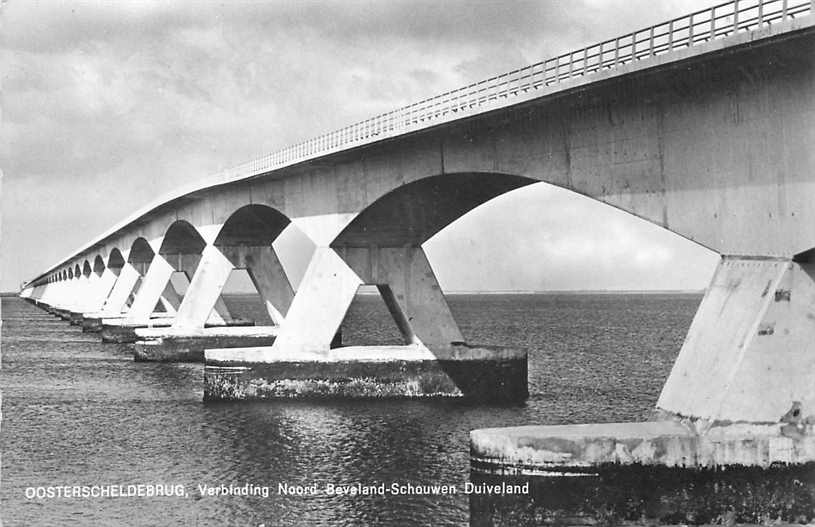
702 125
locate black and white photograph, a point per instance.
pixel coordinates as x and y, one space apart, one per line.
407 262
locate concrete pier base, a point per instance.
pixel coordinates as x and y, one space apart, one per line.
75 318
367 372
658 472
116 330
120 332
64 314
173 345
92 322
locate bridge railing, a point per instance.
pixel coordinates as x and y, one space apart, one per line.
701 26
715 22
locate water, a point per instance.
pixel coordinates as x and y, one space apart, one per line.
77 412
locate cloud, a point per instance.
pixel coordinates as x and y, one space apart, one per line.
120 102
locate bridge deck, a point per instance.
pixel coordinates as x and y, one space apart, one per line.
725 25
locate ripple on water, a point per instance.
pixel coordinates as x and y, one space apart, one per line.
80 412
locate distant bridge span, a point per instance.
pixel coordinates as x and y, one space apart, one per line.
702 125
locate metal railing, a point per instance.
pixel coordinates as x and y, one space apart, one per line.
715 22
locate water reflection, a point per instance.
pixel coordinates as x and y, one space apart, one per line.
81 412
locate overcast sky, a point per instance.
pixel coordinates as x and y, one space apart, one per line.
106 106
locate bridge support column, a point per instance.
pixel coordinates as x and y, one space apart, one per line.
157 289
148 295
434 361
116 302
45 295
749 355
100 288
82 295
188 336
60 306
740 396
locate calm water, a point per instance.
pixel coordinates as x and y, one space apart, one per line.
78 412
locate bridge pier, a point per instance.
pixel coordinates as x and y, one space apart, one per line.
157 289
433 362
741 397
127 277
187 338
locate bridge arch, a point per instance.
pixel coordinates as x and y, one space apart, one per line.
412 213
382 245
257 225
86 269
182 237
140 252
245 240
77 271
98 265
115 260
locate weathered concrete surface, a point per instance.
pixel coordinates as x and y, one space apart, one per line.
183 345
117 330
121 332
367 372
630 495
92 322
750 351
61 313
667 472
536 450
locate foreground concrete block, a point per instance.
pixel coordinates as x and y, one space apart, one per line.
182 345
367 372
654 472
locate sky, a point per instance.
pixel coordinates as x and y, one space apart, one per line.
106 106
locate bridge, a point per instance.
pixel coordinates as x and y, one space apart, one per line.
702 125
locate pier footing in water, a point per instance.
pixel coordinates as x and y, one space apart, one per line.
666 472
116 331
170 345
488 374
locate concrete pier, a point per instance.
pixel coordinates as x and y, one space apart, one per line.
412 371
582 449
121 331
75 318
116 330
654 472
92 322
182 345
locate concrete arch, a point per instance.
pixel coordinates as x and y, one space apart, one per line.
410 214
86 269
77 271
71 273
140 252
182 238
98 265
254 225
115 260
